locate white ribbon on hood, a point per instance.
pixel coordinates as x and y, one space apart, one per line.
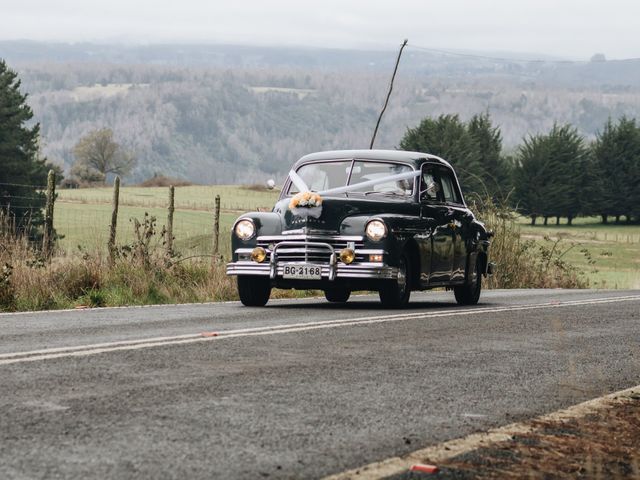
302 186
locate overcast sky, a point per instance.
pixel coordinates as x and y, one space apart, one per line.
567 28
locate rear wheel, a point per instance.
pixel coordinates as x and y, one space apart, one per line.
254 291
395 294
337 295
469 294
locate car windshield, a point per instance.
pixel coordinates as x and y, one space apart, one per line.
322 176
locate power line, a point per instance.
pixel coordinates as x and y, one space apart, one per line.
11 197
516 60
23 185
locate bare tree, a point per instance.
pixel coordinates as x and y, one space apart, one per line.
97 154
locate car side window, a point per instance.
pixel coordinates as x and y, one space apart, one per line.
449 189
430 190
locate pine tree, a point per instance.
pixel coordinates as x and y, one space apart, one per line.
495 169
22 171
531 178
617 159
449 138
549 174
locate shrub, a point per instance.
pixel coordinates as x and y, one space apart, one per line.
163 181
524 263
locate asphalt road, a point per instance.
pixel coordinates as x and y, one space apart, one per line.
300 388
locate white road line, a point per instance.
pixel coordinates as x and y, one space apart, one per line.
459 446
94 349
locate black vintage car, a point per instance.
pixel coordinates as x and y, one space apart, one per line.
388 221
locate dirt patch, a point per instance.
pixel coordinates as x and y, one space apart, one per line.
604 444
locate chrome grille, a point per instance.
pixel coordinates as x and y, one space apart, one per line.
310 253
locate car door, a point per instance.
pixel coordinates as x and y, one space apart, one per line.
438 264
458 219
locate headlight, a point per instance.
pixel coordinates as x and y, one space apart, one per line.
245 229
376 230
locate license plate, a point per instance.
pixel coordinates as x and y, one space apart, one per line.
302 272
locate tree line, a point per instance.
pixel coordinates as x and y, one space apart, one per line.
244 125
557 174
550 175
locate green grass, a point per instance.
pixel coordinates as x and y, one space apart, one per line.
196 197
615 249
83 216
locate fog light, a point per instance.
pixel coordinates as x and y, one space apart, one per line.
347 256
375 258
258 254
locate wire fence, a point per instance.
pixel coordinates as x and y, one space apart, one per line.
86 227
82 217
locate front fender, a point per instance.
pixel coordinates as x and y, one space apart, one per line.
402 231
267 223
398 225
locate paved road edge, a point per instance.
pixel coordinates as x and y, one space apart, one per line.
452 448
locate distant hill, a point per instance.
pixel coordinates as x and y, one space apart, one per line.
415 61
218 113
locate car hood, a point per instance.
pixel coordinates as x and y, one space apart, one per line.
334 211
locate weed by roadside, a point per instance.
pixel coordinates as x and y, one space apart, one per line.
526 263
142 274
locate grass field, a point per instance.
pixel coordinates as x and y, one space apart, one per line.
608 254
83 216
197 197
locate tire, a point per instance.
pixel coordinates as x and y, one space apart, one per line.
254 291
469 293
337 295
395 294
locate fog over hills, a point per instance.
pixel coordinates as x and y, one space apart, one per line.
224 113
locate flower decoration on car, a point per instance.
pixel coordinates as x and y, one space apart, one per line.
306 204
305 199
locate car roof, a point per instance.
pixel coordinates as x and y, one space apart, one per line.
415 159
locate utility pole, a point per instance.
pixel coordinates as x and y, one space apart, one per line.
375 132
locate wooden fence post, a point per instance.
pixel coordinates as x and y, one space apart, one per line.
111 245
216 227
169 232
47 239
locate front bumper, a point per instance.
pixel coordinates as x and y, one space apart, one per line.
363 270
331 271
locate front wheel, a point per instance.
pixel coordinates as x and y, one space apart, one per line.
395 294
254 291
337 295
469 293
